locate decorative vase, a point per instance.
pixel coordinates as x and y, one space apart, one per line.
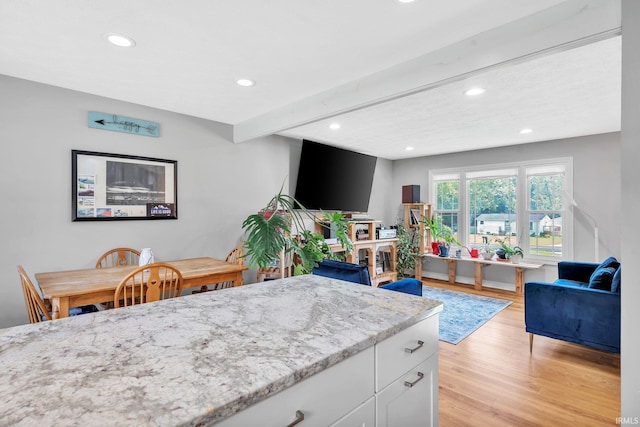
146 257
444 250
435 249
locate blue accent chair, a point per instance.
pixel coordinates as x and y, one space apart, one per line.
360 274
582 306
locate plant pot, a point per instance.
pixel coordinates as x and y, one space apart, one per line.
487 256
516 258
444 250
501 253
435 249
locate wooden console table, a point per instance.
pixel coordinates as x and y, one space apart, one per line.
370 247
480 263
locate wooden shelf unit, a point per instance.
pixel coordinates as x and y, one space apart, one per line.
371 248
417 212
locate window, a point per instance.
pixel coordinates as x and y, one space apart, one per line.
544 208
447 191
492 205
518 204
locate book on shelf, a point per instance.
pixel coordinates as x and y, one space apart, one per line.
415 216
384 260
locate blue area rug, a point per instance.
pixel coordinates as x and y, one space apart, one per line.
463 313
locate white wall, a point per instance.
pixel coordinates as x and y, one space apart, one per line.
382 188
219 184
596 175
630 154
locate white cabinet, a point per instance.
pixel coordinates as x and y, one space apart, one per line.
394 383
321 399
407 377
412 399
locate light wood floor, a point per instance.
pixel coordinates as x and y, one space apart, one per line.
491 379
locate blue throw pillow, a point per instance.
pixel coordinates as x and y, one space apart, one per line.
602 278
609 262
615 284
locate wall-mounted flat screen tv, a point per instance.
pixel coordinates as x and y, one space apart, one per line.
334 179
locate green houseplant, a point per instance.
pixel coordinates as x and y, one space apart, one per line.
434 229
442 235
406 251
448 238
485 251
514 253
280 226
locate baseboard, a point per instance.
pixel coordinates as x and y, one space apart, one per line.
471 281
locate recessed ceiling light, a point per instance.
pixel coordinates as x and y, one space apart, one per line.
474 91
406 1
334 126
245 82
120 40
409 148
526 131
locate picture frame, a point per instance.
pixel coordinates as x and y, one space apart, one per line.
114 187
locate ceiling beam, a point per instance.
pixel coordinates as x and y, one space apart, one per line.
566 25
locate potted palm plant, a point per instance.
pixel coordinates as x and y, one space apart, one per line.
280 226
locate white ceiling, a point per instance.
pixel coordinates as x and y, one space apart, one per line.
314 62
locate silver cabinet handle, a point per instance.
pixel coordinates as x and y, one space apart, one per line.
299 418
411 384
411 350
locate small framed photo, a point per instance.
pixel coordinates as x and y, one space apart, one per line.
108 187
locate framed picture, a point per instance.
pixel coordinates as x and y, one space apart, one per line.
108 187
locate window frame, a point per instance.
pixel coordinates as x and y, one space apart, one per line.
523 202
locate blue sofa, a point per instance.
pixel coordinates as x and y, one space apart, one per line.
582 306
360 274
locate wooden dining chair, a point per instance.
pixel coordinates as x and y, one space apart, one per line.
36 306
118 257
236 256
151 282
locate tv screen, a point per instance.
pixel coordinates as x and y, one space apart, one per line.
334 179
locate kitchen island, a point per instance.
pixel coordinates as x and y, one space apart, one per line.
199 359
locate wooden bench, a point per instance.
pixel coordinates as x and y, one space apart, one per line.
479 265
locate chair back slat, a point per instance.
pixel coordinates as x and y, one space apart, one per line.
36 307
152 282
118 257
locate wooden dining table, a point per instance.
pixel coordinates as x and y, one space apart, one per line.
74 288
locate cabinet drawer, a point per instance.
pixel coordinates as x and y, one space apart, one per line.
403 351
323 398
412 399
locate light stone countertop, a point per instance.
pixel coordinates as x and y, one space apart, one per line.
193 360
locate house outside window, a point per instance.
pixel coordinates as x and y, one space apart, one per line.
519 204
